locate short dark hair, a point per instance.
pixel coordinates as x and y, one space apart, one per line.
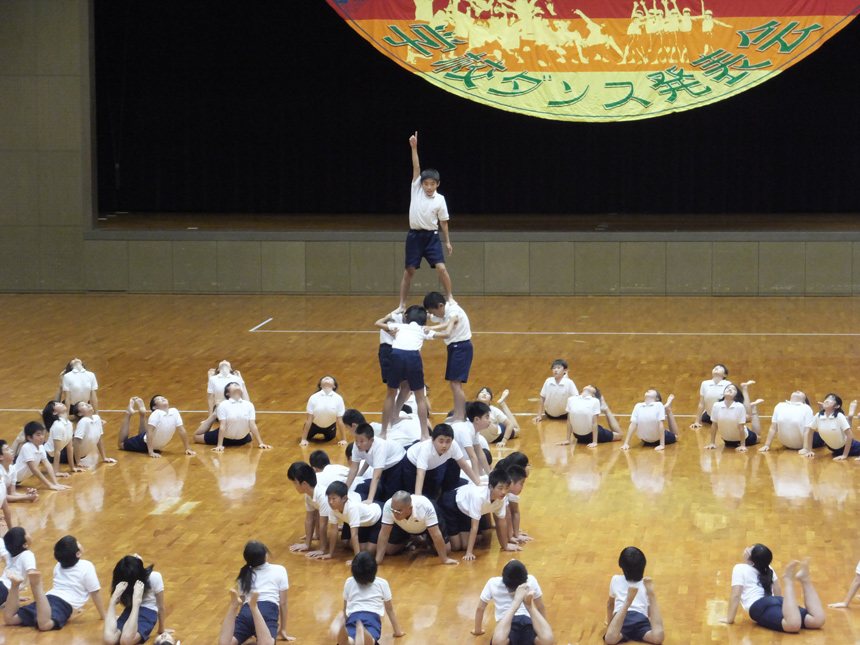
559 361
300 472
348 450
415 314
152 401
514 574
430 173
319 459
489 457
408 408
725 369
337 488
319 383
516 473
365 429
32 428
227 388
475 409
442 430
364 568
66 551
499 476
353 416
14 540
632 562
433 300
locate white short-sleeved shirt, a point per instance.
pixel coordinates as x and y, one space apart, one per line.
857 571
385 337
370 598
217 383
746 575
423 516
89 431
426 212
329 474
713 392
270 580
29 452
497 417
581 411
462 330
236 417
156 586
423 454
165 424
647 417
326 407
730 420
618 587
409 337
832 429
406 431
465 435
382 454
555 395
791 418
8 477
356 513
20 564
475 501
496 592
61 434
79 384
75 584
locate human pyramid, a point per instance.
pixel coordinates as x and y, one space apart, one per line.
409 484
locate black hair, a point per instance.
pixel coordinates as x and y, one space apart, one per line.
433 300
48 416
353 416
130 569
319 383
74 409
499 476
255 556
32 428
488 456
516 458
300 472
348 450
364 568
475 409
488 390
365 429
838 409
319 459
152 401
761 557
516 473
337 488
725 369
218 367
3 442
66 551
559 361
657 392
597 394
514 574
69 367
406 408
415 314
430 173
632 562
14 540
227 388
442 430
739 397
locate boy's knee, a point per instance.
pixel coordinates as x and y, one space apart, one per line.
45 625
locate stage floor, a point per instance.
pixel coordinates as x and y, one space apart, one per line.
691 511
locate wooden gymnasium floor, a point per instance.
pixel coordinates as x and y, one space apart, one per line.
691 511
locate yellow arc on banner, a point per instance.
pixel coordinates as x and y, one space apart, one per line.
596 60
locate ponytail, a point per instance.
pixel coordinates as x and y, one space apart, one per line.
761 557
255 556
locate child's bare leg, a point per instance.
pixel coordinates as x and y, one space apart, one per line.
543 632
129 630
423 409
617 434
388 409
402 396
502 632
207 424
126 422
338 630
459 400
43 608
404 287
755 421
112 634
362 636
656 634
445 279
790 610
264 637
670 416
613 633
229 624
13 601
815 617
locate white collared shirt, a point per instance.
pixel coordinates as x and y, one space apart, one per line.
326 407
647 417
556 395
236 417
426 212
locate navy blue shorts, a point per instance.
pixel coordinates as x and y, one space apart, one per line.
61 611
767 612
635 627
432 478
406 365
603 436
4 594
817 441
64 456
146 619
244 628
137 443
706 418
372 623
384 360
669 439
399 536
423 244
459 361
502 430
751 440
854 451
456 521
549 416
389 483
522 631
328 433
365 533
210 438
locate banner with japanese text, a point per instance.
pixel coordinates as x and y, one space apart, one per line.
596 60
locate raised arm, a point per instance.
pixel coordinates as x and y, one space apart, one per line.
416 166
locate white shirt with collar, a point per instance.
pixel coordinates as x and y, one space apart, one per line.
462 330
581 411
382 454
425 213
791 418
236 417
556 394
79 384
325 407
647 417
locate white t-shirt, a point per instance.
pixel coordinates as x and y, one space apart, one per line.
409 337
423 454
370 598
20 564
647 417
497 417
791 418
406 431
217 383
462 330
8 477
355 513
423 515
618 588
713 392
747 576
236 417
326 408
581 411
329 474
832 429
382 454
89 431
270 580
29 452
156 586
165 424
556 395
61 434
496 592
426 212
475 501
385 337
79 384
730 420
465 435
75 584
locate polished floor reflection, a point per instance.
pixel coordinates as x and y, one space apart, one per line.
691 511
